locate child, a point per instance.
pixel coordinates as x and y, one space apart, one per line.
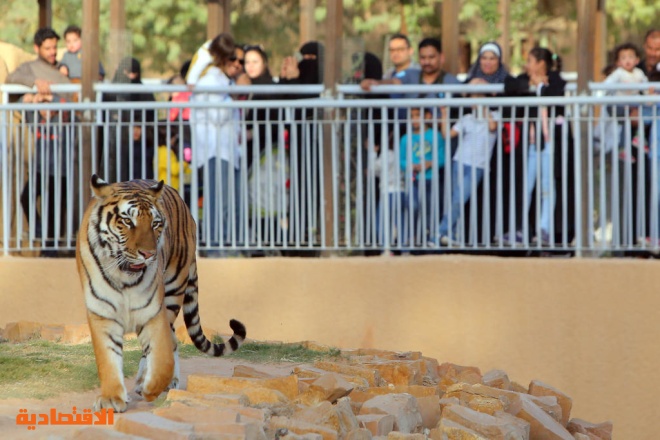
477 136
626 59
416 161
170 168
386 167
71 63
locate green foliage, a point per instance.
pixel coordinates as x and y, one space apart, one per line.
164 33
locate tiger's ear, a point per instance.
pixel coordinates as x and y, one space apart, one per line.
157 189
100 187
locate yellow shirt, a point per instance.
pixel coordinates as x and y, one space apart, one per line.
166 155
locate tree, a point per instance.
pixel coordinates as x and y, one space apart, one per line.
164 33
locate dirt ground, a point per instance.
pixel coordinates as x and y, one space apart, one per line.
64 403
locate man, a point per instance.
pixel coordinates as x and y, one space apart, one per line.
651 61
431 60
401 53
43 71
43 193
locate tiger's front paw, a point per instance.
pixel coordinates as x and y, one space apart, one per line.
117 403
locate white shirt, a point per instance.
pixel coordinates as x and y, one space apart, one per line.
475 140
215 129
200 63
394 174
622 76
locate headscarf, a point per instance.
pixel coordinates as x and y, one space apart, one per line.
366 65
130 65
311 71
494 78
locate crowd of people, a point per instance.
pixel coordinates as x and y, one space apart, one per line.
530 180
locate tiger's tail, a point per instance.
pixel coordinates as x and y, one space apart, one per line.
194 327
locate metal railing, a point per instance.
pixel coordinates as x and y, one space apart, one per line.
304 174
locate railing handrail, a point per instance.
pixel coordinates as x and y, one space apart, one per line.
352 89
353 103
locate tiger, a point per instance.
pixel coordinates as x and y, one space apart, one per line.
136 258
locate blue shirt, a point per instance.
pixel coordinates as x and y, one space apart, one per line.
422 147
414 77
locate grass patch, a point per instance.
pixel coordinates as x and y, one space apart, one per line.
40 369
268 352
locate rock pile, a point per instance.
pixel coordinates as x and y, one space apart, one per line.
364 394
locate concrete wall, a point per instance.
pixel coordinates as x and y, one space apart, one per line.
587 327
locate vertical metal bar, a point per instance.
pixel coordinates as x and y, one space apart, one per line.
4 172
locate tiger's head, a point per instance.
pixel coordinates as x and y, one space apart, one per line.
129 222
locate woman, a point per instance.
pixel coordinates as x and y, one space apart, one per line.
136 151
268 171
216 148
489 65
503 161
550 152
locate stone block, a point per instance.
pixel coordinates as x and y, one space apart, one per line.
260 396
540 389
359 434
600 430
146 424
496 379
332 386
362 396
451 374
403 407
445 401
189 414
293 436
431 377
190 398
402 436
511 400
482 424
377 424
22 331
210 384
250 372
67 334
99 434
515 386
339 416
399 372
486 405
249 414
542 425
450 430
301 427
229 431
523 426
315 346
429 409
371 375
309 374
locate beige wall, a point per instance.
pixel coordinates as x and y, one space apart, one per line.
587 327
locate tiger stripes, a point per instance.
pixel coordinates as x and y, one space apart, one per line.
136 257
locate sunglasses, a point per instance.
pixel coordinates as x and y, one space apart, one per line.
234 58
